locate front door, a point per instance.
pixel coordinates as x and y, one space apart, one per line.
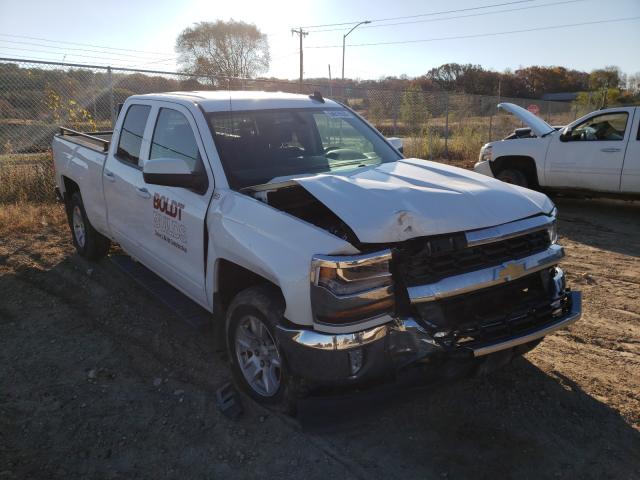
592 156
174 217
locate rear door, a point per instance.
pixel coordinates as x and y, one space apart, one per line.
122 178
592 157
173 218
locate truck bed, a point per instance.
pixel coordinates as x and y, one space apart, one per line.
98 141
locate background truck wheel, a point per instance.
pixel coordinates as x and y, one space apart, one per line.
88 242
257 363
513 176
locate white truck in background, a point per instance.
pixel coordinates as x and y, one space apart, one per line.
326 257
597 154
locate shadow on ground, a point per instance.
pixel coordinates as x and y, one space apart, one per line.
100 380
520 422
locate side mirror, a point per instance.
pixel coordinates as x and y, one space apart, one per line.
173 172
396 143
565 134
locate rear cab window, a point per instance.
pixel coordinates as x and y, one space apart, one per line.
130 141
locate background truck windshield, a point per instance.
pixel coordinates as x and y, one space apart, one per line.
257 146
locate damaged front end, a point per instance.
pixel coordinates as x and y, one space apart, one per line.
444 298
428 299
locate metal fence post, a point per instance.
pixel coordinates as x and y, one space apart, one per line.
446 125
111 104
490 121
548 112
396 108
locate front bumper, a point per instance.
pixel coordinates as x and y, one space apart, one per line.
483 167
327 359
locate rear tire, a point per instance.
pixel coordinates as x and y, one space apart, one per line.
89 243
514 177
257 361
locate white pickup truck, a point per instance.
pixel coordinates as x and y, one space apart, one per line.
598 154
328 258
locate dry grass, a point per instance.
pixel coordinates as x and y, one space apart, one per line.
27 178
461 148
30 218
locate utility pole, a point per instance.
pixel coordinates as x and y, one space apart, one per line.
330 84
301 33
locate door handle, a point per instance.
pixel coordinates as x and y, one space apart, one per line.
109 176
143 192
610 150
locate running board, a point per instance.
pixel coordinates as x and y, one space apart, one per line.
185 308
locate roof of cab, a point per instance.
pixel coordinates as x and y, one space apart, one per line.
225 100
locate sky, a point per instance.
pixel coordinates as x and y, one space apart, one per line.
142 33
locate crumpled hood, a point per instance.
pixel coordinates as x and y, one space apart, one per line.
413 198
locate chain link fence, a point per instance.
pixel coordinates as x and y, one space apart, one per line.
37 97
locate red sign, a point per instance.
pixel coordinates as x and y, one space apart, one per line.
533 108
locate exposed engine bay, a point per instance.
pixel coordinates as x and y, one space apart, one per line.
524 132
293 199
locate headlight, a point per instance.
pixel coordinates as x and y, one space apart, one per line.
552 229
349 289
486 153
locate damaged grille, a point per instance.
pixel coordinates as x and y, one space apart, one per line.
421 261
494 313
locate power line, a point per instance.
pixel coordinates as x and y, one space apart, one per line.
68 54
421 14
478 35
53 61
82 44
281 57
552 4
76 49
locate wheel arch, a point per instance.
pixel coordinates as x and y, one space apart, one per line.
231 278
70 187
524 163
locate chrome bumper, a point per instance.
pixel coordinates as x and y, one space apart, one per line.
319 356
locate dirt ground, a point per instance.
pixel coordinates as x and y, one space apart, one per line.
97 380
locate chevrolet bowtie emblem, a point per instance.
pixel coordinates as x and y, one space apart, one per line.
510 271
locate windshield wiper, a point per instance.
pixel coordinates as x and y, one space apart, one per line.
351 162
548 133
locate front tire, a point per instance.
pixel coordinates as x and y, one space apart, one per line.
89 243
514 177
257 362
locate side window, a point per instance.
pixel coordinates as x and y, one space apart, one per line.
608 126
131 133
173 138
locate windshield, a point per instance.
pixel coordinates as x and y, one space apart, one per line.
258 146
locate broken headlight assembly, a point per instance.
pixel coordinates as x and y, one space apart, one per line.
351 289
552 228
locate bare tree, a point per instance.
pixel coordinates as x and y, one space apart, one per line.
227 49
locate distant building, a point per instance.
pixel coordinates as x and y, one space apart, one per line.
560 97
